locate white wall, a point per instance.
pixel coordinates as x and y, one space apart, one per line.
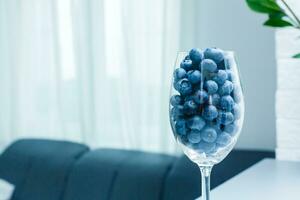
229 24
288 87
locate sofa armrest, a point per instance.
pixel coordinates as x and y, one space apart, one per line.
39 168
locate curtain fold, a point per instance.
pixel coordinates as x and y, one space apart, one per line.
94 71
29 75
130 47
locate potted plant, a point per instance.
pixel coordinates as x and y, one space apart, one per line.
280 14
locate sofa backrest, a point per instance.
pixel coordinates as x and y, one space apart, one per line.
39 169
119 174
56 170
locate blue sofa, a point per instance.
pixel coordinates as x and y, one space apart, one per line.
60 170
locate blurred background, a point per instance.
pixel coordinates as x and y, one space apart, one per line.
99 72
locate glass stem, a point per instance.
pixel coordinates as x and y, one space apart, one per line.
205 177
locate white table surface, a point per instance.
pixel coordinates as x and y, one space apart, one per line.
6 190
267 180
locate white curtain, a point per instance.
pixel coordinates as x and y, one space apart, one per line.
30 74
94 71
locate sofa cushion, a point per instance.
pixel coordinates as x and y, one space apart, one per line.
183 180
39 168
118 174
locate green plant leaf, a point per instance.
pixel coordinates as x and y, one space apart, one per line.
277 23
277 15
278 19
296 55
264 6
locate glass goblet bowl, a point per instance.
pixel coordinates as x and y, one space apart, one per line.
206 107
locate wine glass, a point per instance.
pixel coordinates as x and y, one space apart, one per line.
206 107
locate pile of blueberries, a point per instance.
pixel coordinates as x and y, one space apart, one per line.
206 109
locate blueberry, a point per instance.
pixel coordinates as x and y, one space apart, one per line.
188 98
180 127
186 64
190 107
196 87
214 53
200 97
179 73
184 87
194 76
208 134
208 65
205 147
211 86
191 97
194 136
210 112
220 77
215 99
226 103
237 94
196 123
217 127
223 139
228 62
183 139
231 76
175 84
176 100
231 129
225 118
226 88
236 111
221 65
196 56
177 112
